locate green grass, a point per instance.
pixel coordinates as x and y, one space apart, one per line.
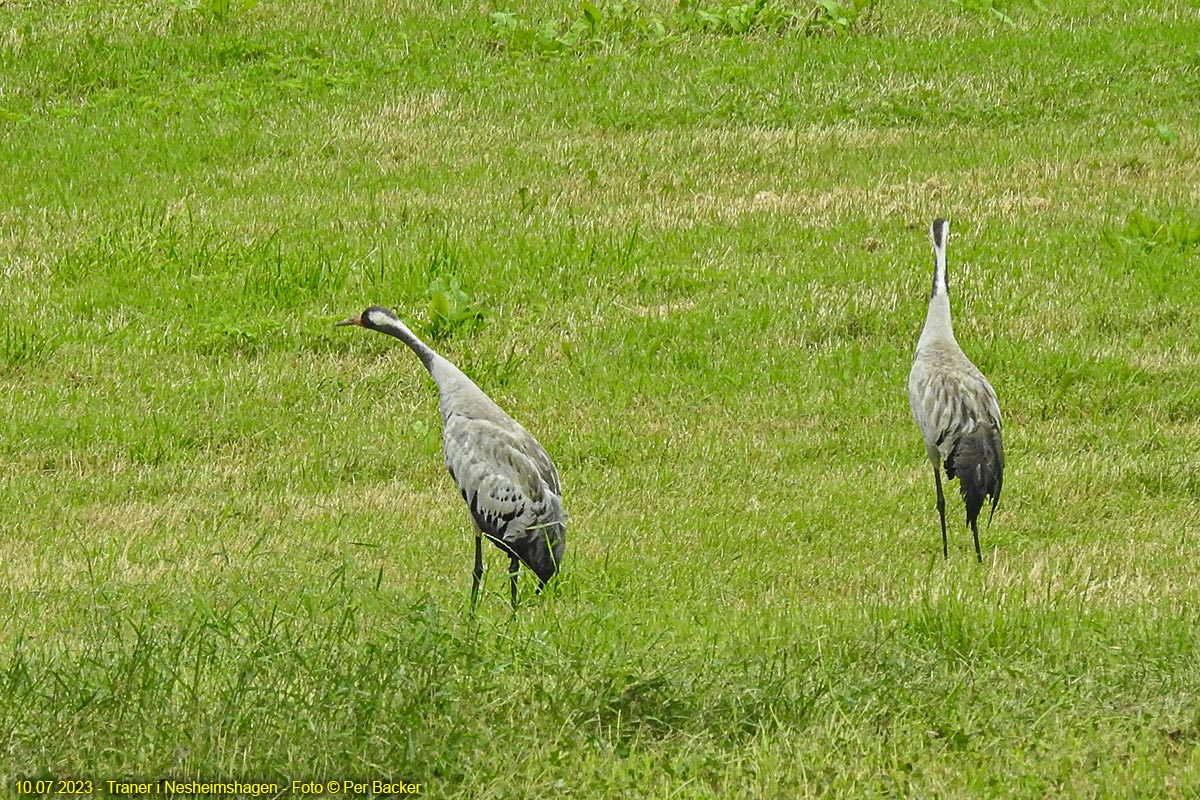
692 259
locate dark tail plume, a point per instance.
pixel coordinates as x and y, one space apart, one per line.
978 463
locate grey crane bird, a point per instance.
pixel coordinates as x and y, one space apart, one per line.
954 406
506 478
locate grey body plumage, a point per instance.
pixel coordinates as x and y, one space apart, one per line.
505 477
955 407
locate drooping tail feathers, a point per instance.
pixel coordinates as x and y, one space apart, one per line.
978 463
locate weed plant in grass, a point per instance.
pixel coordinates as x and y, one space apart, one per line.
695 261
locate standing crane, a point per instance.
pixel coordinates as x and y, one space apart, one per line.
506 478
954 406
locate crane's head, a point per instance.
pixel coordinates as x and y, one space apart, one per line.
375 317
378 318
937 232
543 552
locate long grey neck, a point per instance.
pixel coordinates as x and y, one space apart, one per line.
400 331
937 320
457 394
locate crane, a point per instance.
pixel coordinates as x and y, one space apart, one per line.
954 406
506 478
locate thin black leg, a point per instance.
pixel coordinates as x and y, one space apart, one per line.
975 532
941 505
513 566
478 573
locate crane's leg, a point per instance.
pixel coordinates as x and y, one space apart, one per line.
941 506
513 566
478 573
975 532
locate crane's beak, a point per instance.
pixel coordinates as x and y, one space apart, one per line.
349 321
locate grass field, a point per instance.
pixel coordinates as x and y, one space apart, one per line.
697 236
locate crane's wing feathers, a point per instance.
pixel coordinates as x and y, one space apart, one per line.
959 416
948 404
511 487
